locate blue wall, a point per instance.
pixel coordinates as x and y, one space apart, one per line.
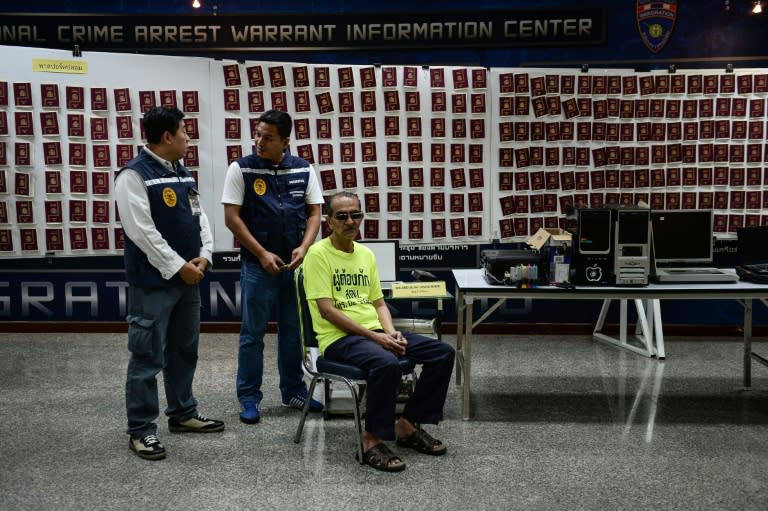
706 34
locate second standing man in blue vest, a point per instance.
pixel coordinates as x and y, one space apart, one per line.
272 204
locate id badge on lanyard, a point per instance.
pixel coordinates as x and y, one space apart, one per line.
194 202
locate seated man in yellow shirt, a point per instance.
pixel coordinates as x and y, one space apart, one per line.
353 325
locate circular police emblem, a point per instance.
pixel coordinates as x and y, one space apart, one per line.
656 30
169 197
260 186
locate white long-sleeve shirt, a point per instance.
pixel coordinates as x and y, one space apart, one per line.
136 218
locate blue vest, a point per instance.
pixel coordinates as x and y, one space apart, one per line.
273 203
168 194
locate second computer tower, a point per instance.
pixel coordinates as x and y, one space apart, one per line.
632 247
612 247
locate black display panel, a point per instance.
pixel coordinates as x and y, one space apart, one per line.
595 231
682 236
633 227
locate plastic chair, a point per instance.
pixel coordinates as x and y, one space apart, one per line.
320 368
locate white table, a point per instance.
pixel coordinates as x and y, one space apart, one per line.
471 286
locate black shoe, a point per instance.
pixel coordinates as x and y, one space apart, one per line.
148 447
197 424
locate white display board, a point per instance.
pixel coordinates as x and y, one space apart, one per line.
692 139
413 143
60 209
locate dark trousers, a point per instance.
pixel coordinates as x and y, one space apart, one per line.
384 375
163 335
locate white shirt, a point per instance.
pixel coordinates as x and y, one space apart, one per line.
136 218
234 187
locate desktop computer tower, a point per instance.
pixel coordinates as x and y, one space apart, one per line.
632 246
612 247
593 249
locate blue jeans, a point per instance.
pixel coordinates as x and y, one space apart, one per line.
163 335
260 293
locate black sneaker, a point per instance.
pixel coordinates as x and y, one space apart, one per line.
197 424
148 447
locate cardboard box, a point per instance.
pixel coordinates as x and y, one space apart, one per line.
549 237
555 246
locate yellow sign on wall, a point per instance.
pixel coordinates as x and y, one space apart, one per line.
73 67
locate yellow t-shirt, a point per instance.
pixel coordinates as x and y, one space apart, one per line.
350 280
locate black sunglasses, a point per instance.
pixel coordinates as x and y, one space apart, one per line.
343 216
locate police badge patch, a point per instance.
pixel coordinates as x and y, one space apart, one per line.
169 197
655 22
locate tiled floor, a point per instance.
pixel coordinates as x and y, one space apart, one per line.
559 422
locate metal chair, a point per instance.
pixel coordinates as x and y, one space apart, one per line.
320 368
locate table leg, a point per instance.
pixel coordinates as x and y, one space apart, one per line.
747 304
460 307
658 328
646 337
467 357
658 377
601 317
621 341
439 319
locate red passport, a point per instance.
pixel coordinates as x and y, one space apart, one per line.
22 93
49 95
78 238
22 154
124 154
122 100
24 212
168 98
322 77
371 229
232 100
28 239
349 178
52 181
99 99
75 97
101 155
100 238
24 126
437 177
52 153
54 240
300 77
99 128
190 101
100 182
415 229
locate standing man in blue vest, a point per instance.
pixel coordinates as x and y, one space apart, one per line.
272 204
168 247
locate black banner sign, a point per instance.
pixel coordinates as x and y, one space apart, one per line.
308 32
439 257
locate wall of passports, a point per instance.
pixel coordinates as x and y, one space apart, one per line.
691 140
442 154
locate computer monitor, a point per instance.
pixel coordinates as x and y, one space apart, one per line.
752 242
682 236
387 257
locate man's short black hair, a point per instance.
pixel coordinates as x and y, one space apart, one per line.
279 119
160 119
